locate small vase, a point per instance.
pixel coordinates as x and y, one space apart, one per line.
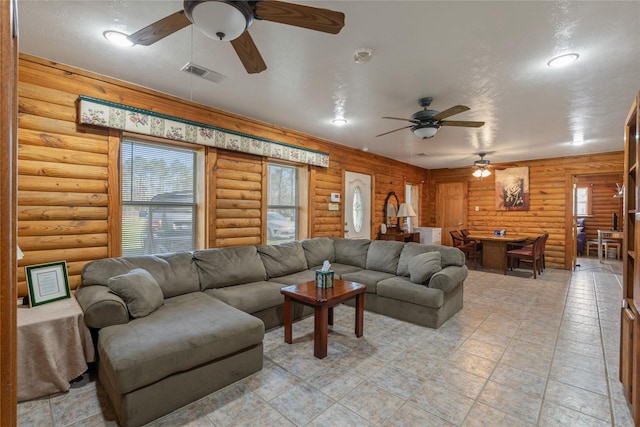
383 229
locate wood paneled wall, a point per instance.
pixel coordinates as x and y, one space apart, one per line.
68 205
238 195
550 198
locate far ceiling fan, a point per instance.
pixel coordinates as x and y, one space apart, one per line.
427 122
481 167
229 20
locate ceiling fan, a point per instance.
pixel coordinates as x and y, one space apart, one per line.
481 167
427 122
229 20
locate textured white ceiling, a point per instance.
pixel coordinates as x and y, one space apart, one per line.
490 56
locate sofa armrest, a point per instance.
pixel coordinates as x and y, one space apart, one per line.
101 308
448 278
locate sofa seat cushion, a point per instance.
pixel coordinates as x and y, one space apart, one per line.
383 255
250 297
187 331
367 277
285 258
295 278
401 288
235 265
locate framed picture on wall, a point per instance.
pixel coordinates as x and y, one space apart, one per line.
47 282
512 189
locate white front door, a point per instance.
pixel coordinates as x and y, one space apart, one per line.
357 206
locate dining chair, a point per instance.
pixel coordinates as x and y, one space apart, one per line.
468 246
528 251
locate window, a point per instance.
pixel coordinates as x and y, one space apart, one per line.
284 221
583 201
159 198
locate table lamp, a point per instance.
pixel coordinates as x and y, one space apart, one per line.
391 212
404 212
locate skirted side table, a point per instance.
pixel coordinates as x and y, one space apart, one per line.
54 347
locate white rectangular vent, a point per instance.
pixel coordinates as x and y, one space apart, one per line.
202 72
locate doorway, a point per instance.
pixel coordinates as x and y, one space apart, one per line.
357 206
451 208
595 205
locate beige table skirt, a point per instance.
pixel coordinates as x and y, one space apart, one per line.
54 346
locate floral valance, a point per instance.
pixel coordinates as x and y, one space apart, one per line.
113 115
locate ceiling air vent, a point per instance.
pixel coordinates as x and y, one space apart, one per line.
202 72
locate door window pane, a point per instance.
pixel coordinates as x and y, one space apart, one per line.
358 211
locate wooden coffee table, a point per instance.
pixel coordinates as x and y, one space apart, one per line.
322 300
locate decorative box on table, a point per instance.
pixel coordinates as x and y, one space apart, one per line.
324 279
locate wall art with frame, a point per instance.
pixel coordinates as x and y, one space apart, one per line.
512 189
47 282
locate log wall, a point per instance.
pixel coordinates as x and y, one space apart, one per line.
68 200
550 198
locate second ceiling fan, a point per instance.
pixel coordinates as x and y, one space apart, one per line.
425 123
229 20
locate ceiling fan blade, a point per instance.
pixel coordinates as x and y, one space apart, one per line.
450 112
404 120
396 130
248 53
462 123
160 29
312 18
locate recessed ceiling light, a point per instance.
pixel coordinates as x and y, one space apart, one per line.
117 38
339 121
563 60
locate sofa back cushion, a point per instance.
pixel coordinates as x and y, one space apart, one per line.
351 251
285 258
229 266
318 250
174 272
383 255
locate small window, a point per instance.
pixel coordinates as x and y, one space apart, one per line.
159 198
282 204
583 201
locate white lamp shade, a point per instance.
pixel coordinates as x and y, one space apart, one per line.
481 173
219 20
406 210
424 131
391 210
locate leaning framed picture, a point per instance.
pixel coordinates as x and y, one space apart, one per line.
47 282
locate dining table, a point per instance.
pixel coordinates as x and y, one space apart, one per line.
494 248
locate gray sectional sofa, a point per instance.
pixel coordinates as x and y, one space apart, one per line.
175 327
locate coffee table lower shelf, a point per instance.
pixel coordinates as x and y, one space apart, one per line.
322 300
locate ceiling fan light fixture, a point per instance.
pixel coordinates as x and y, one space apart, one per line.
117 38
563 60
220 20
339 121
425 131
481 173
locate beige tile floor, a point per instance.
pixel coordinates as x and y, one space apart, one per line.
522 352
